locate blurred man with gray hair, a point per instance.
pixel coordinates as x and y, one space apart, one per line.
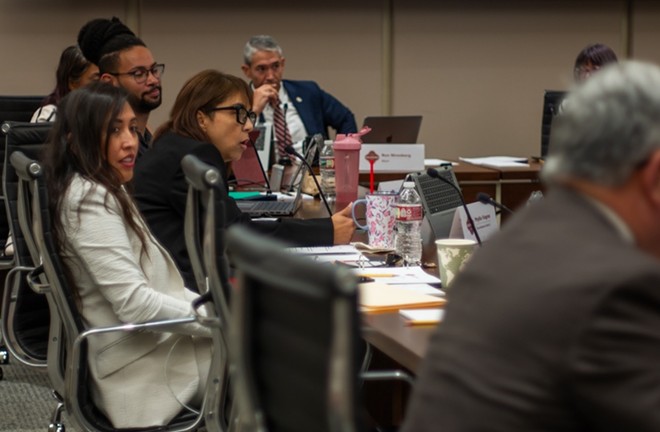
554 324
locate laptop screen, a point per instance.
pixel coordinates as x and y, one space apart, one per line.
247 170
392 129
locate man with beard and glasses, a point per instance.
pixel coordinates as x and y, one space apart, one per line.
125 61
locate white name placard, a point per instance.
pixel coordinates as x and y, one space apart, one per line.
484 220
393 158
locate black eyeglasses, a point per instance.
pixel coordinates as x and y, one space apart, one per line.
141 74
242 113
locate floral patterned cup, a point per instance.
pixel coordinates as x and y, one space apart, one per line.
381 216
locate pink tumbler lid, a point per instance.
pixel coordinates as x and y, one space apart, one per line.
351 141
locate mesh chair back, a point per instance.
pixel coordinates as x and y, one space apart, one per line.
294 339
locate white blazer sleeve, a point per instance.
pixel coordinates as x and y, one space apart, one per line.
108 251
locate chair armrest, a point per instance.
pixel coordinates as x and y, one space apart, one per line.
207 321
388 375
72 375
33 280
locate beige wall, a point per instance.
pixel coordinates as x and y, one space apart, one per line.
476 69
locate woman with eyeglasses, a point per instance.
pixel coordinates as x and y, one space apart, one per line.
211 119
119 271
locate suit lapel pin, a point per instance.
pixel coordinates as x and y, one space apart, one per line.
298 99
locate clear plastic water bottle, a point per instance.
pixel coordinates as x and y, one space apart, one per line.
327 169
409 215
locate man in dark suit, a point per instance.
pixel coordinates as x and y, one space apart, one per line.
554 324
308 110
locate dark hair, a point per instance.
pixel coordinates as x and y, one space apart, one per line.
101 40
70 69
78 144
596 54
202 92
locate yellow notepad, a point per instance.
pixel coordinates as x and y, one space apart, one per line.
380 297
422 316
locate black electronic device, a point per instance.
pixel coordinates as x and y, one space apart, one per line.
551 101
392 129
438 199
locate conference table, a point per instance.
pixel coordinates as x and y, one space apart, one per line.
511 186
387 332
400 345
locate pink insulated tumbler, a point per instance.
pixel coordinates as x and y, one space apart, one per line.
347 158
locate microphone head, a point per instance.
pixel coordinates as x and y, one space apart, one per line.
432 172
484 198
289 149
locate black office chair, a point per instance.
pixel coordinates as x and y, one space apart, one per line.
204 245
15 109
19 108
551 101
295 339
77 395
25 313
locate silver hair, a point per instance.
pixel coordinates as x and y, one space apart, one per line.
608 127
260 43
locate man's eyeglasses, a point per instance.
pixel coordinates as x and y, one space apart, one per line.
242 113
141 74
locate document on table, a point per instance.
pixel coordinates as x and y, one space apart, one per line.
424 289
380 297
422 316
398 275
325 250
498 161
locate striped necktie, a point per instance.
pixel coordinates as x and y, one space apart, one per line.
282 134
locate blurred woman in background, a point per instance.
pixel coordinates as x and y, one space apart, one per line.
73 71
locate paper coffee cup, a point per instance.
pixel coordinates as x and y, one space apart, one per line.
452 256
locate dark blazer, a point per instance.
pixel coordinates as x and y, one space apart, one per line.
160 190
553 326
319 110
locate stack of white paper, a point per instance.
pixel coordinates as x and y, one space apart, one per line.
498 161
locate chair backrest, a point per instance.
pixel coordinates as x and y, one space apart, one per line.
206 254
26 317
19 108
551 102
78 396
294 339
203 237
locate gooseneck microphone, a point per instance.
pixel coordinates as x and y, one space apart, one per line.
290 150
432 172
484 198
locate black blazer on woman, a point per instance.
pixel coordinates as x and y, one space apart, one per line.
161 189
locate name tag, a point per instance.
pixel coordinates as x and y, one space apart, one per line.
392 158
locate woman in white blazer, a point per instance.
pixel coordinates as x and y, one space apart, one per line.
121 273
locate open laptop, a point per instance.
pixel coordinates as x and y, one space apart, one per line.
248 170
438 199
392 129
280 208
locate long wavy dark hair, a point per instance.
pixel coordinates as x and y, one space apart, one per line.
78 144
71 68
